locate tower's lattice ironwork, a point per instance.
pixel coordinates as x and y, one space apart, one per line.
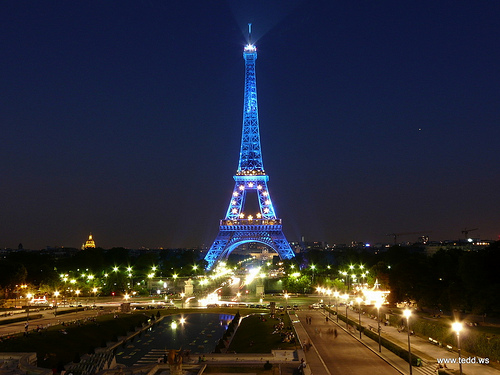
239 227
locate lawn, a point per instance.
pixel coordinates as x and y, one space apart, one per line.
255 334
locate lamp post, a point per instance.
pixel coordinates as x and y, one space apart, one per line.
329 293
407 314
56 294
28 297
337 294
359 299
346 275
95 295
77 292
286 301
457 327
346 297
378 304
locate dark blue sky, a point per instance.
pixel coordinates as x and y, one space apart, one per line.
123 118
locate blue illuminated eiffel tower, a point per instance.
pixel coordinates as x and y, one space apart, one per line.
239 227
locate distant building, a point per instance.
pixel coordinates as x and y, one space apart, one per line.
89 244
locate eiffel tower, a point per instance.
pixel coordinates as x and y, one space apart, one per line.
238 227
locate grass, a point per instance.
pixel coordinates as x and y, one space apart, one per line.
256 336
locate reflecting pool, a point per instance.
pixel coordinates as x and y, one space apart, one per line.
198 333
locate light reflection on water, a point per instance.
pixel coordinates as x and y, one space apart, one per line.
198 334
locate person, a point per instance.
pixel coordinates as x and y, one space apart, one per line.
302 366
335 333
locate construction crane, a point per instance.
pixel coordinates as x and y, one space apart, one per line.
396 235
466 231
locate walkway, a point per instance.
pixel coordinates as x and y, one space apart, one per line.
332 355
427 351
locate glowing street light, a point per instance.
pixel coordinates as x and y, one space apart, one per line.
77 292
457 327
358 300
28 297
346 275
407 314
336 294
56 294
329 294
378 305
346 297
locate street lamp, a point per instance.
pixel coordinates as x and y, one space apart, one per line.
407 314
378 304
313 267
358 300
329 293
457 327
95 292
77 292
346 275
286 301
336 294
28 297
56 294
346 297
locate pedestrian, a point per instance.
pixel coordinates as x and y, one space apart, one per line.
326 319
335 333
302 366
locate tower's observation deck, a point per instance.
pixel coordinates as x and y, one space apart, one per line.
239 227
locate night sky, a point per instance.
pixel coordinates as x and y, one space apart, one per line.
123 118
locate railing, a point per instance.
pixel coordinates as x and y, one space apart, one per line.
251 222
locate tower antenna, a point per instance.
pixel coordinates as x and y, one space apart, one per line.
249 33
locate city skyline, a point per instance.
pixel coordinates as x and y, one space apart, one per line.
124 120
